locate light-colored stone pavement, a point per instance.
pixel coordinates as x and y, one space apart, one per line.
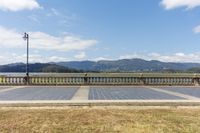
175 93
82 93
11 88
80 97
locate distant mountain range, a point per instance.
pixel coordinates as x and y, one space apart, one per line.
37 67
124 65
129 65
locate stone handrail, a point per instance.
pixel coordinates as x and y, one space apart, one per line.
104 79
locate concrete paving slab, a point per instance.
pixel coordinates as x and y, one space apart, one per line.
11 88
82 93
191 91
128 93
4 87
39 93
167 91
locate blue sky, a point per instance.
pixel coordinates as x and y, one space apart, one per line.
64 30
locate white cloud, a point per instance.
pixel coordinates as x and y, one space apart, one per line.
7 58
43 41
34 18
171 4
40 41
101 58
64 19
80 56
130 56
196 29
177 57
18 5
55 12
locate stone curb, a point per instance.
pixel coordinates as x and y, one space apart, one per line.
172 103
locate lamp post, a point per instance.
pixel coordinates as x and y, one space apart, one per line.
26 38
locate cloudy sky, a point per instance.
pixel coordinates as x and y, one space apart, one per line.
65 30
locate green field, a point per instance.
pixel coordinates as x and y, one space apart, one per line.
100 120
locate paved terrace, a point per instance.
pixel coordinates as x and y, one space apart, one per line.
99 95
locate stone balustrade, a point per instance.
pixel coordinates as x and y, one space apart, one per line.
104 79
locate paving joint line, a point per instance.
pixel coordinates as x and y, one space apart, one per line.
11 88
189 97
82 93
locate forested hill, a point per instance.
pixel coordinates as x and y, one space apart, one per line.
125 65
37 67
129 65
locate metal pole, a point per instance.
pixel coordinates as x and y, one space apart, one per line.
27 64
26 38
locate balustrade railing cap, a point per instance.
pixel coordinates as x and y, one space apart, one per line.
195 75
141 74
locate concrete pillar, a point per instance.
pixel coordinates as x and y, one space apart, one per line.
129 80
85 79
142 81
196 81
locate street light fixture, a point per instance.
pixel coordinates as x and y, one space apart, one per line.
26 38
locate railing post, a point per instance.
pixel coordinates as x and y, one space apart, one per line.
85 79
196 80
142 81
1 80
